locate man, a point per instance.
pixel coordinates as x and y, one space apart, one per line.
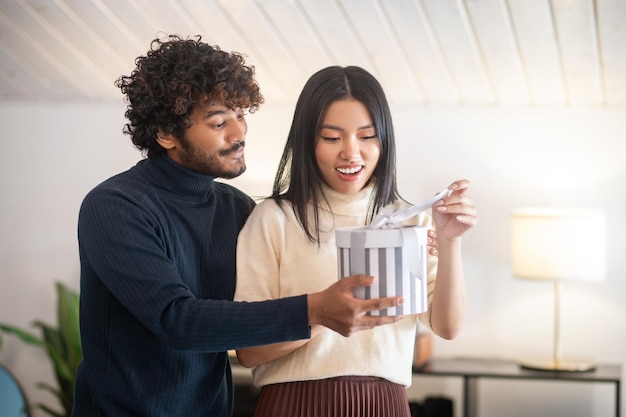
157 247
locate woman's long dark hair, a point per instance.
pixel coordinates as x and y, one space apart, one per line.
298 179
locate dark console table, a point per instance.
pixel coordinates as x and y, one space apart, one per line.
472 370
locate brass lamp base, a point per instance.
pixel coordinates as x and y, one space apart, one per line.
558 366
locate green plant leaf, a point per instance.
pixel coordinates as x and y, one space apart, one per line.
62 344
24 335
69 326
51 411
55 347
49 388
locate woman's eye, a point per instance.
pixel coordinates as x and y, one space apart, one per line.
330 139
369 137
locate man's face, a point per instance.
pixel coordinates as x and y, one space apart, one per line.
214 144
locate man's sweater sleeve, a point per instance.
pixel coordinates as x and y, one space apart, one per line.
125 265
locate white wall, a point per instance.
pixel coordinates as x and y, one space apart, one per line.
53 154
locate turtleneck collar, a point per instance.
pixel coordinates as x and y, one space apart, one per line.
348 204
186 185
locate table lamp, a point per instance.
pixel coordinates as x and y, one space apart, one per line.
558 244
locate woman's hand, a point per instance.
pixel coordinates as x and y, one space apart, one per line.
432 241
455 214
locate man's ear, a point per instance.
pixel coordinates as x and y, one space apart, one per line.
166 140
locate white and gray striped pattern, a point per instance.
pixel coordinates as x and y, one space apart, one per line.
396 257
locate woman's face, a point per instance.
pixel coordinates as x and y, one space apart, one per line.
347 148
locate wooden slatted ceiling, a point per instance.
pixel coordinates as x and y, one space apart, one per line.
429 52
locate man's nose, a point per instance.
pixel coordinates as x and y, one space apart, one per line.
237 131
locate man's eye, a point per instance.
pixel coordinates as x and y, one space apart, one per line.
216 122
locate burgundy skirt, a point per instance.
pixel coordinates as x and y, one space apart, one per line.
350 396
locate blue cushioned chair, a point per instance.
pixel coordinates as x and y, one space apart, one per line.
12 399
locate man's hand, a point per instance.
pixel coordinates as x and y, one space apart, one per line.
338 309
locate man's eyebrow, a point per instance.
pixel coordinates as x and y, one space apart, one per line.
213 112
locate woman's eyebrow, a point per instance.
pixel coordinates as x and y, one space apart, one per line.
333 127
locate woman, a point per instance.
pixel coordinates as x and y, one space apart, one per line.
338 169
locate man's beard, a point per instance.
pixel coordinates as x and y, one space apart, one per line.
198 161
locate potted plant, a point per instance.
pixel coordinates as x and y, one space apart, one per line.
62 344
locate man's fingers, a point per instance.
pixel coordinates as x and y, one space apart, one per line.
374 304
361 280
381 303
338 309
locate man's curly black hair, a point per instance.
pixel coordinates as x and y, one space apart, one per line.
175 77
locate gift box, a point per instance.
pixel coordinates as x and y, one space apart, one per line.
396 257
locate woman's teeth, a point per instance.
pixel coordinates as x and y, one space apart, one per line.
350 171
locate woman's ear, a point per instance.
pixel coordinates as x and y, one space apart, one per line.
166 140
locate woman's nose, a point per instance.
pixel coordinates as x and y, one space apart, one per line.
350 149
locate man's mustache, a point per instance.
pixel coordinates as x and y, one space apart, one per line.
235 148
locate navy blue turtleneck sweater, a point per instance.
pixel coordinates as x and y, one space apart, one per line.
157 249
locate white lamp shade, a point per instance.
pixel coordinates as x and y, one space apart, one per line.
556 243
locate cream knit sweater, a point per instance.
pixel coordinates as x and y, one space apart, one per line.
275 259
